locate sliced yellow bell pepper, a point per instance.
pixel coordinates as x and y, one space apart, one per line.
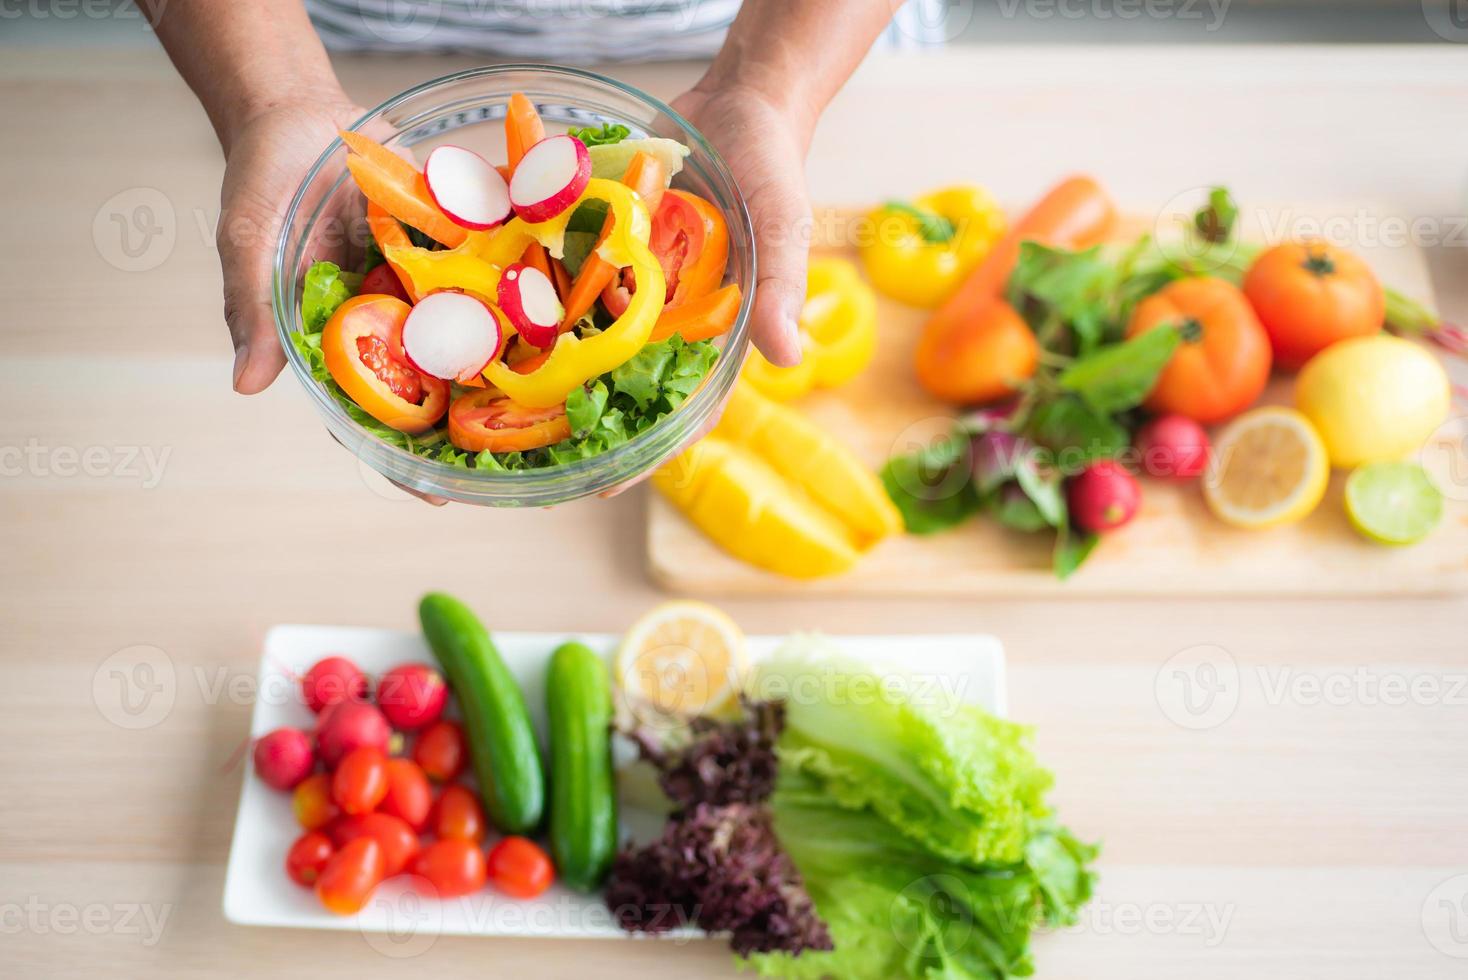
918 253
455 268
575 360
838 334
775 490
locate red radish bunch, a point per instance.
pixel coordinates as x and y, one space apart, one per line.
550 178
1104 497
331 680
451 336
412 696
1173 447
529 299
348 726
466 187
283 758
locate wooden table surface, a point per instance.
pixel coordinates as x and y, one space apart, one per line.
1280 785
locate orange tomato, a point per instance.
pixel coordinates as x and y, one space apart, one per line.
486 419
1222 364
363 347
1309 295
980 359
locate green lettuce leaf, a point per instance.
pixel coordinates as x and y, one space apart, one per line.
604 135
324 288
929 491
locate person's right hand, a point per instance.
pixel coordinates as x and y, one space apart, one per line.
266 158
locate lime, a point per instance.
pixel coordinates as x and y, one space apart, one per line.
1393 503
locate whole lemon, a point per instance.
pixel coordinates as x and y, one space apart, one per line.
1373 399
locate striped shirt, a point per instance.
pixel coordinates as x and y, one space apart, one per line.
573 30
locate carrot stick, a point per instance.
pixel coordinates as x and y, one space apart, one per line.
561 278
523 128
396 167
386 230
699 319
535 257
649 178
408 202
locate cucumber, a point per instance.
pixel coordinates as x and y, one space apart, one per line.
501 738
583 805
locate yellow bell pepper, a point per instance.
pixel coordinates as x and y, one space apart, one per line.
919 253
575 360
775 490
838 334
475 266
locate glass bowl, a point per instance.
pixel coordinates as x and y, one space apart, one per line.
327 220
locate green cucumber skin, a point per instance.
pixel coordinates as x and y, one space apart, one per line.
501 738
583 806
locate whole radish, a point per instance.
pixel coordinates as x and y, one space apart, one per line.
1173 447
283 757
331 680
350 725
412 696
1103 497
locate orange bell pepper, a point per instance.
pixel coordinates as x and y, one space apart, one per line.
397 187
699 319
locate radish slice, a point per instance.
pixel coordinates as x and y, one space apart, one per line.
451 336
529 299
549 178
466 188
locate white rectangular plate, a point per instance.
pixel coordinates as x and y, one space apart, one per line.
258 893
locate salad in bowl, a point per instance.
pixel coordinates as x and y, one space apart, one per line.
530 317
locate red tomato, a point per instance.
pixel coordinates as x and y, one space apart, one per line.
308 856
1310 295
360 781
408 793
452 867
312 802
363 347
399 843
691 243
486 419
382 279
519 868
412 696
458 815
350 875
440 751
331 680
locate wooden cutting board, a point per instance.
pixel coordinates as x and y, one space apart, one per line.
1174 546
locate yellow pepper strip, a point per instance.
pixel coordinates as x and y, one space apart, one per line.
918 253
575 360
773 489
455 268
838 334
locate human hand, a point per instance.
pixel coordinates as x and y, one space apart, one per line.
266 159
765 148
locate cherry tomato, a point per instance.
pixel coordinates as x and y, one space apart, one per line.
363 347
1222 364
458 815
312 802
519 868
383 280
408 793
1309 295
399 843
440 751
308 856
360 781
452 867
331 680
412 696
350 875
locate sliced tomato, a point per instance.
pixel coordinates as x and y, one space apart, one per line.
486 419
382 279
691 241
363 347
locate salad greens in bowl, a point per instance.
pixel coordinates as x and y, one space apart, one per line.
516 286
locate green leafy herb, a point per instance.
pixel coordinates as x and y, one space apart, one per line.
931 486
604 135
1117 377
1066 425
934 228
1066 297
1072 548
1215 223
